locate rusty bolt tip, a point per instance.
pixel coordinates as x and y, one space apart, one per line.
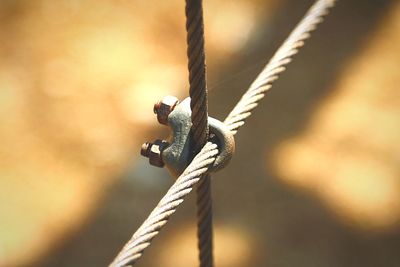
164 107
156 107
145 149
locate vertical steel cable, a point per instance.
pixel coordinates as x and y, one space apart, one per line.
204 222
197 73
199 106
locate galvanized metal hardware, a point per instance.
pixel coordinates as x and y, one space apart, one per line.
176 154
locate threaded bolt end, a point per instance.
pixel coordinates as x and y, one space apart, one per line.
145 149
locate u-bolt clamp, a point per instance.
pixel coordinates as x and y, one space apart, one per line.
175 153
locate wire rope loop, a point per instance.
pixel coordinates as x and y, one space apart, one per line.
221 135
178 153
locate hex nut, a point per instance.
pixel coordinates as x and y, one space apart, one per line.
155 152
164 107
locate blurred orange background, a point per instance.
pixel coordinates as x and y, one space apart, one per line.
316 176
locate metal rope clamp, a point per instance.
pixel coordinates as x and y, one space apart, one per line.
175 153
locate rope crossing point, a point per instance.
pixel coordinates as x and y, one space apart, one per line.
141 239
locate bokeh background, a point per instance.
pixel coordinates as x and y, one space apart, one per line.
316 177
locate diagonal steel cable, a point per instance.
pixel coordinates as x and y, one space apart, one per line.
141 239
199 106
277 64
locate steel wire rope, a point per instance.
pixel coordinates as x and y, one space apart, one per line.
199 130
141 239
276 65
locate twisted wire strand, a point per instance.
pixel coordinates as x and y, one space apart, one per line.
204 221
197 73
276 65
133 250
199 106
